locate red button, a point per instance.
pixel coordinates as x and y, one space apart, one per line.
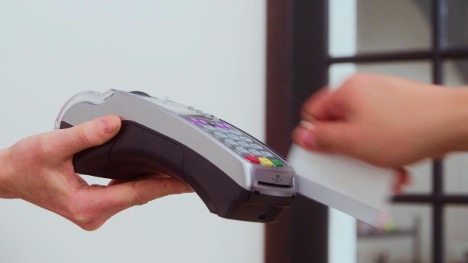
252 158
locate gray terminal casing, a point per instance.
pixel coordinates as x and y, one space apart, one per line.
215 158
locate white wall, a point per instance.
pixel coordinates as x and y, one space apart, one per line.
209 54
342 236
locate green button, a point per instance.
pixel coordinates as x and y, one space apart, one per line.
277 163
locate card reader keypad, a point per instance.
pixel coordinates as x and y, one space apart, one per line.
238 141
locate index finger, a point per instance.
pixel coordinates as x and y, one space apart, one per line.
98 204
325 105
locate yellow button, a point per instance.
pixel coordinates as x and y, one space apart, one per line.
265 162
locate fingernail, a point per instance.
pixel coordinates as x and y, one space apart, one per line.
310 141
309 126
307 139
107 125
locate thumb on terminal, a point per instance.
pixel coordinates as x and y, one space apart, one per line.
98 131
90 134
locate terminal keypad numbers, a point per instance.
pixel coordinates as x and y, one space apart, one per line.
237 141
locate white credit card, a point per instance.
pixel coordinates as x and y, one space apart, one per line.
349 185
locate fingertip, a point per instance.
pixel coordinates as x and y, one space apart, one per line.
109 124
93 133
305 136
402 179
174 186
185 188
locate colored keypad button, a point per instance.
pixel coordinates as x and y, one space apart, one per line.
252 158
223 125
277 163
195 120
265 162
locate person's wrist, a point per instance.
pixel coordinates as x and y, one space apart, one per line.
3 165
5 173
459 100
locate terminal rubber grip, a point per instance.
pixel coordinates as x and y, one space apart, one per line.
134 151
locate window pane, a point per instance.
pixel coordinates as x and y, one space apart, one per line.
406 239
456 234
456 72
419 71
380 26
342 28
456 174
455 26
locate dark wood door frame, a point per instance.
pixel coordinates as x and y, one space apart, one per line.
297 49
